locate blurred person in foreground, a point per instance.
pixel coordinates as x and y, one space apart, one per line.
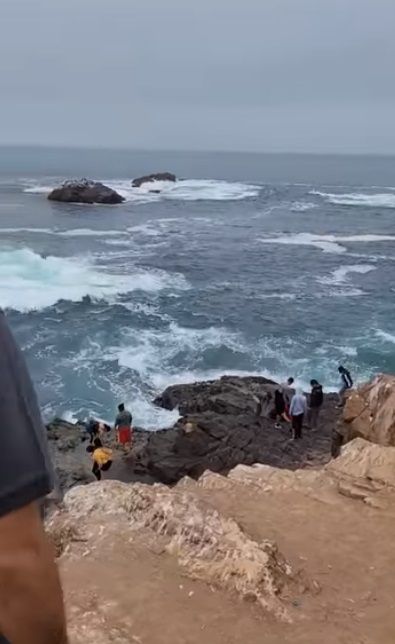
31 603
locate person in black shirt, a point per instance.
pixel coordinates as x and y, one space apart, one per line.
346 383
31 603
315 404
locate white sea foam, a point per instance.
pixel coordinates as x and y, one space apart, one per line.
327 243
277 296
184 190
73 232
39 190
385 335
302 206
378 200
69 417
30 282
340 275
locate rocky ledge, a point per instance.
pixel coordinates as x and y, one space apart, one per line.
302 555
227 422
223 423
295 557
87 192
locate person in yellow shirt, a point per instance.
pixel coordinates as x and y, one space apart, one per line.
101 457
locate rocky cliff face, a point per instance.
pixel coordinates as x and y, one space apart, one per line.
370 411
288 556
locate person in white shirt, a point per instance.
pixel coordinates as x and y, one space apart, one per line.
297 410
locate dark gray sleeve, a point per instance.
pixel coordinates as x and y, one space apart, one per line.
25 469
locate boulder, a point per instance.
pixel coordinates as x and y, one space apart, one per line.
150 178
369 412
228 395
360 459
85 191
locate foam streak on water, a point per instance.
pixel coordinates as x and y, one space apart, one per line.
378 200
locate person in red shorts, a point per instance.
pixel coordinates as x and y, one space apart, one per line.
123 427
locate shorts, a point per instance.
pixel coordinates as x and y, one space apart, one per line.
125 435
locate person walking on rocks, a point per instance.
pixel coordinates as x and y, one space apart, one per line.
123 427
297 410
345 385
315 404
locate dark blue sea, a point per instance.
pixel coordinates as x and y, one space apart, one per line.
267 264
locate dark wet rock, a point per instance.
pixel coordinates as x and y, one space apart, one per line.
227 422
229 395
223 423
150 178
67 444
85 191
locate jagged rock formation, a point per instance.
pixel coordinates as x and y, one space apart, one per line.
150 178
85 191
210 547
151 564
224 423
370 412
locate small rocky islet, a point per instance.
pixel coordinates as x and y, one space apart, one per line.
85 191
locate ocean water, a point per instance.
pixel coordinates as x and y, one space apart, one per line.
271 264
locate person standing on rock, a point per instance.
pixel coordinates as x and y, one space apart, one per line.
31 602
288 390
315 404
123 427
297 410
346 384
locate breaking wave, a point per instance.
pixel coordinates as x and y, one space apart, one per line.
29 281
341 275
378 200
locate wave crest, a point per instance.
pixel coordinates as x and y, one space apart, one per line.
29 281
378 200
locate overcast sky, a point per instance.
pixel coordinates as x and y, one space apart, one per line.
262 75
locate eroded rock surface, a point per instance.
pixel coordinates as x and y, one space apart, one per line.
370 411
290 554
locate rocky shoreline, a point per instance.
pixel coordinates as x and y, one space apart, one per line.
223 423
300 552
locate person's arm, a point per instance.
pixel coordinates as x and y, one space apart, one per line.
31 603
31 606
291 407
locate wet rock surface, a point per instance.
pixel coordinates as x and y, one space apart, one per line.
87 192
223 423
